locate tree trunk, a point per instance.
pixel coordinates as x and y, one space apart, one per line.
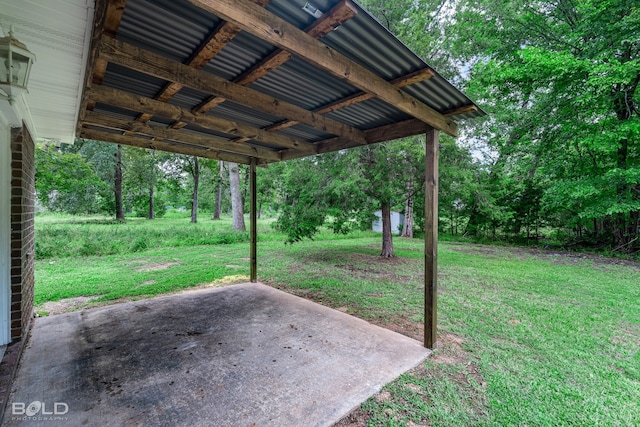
151 214
218 208
246 187
407 227
118 185
196 181
237 207
387 239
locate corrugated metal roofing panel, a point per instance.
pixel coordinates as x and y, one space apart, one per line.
170 28
115 111
239 113
188 98
243 52
312 89
132 81
305 133
176 30
369 114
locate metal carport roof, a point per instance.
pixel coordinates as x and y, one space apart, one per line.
239 79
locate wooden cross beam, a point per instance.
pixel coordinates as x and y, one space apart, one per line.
171 147
372 136
108 14
200 140
156 65
460 110
152 107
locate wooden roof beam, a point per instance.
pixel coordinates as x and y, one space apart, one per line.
158 66
460 110
152 107
324 25
170 147
400 82
197 139
108 14
390 132
275 30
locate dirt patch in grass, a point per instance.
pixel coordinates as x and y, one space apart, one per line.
402 325
155 266
65 305
357 418
79 303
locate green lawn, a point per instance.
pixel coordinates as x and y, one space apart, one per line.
525 338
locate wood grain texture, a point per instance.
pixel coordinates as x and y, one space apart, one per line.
431 240
155 65
121 99
134 141
199 140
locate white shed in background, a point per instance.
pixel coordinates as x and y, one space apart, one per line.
397 219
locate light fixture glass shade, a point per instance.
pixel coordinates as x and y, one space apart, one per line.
15 66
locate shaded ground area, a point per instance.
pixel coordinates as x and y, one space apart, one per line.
236 356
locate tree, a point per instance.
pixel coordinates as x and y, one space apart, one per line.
237 206
192 166
218 201
106 160
343 189
117 181
142 175
65 181
560 80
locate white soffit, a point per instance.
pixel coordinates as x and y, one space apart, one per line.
59 33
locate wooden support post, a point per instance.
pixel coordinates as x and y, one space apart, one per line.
253 221
431 241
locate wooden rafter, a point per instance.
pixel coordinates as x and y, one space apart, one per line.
149 63
115 10
400 82
171 147
152 107
200 140
328 22
275 30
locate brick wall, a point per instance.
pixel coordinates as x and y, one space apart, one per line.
22 238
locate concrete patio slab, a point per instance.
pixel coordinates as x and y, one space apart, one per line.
243 355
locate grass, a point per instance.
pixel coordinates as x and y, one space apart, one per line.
526 338
64 236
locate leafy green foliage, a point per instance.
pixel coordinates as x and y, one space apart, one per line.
560 81
303 208
65 182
